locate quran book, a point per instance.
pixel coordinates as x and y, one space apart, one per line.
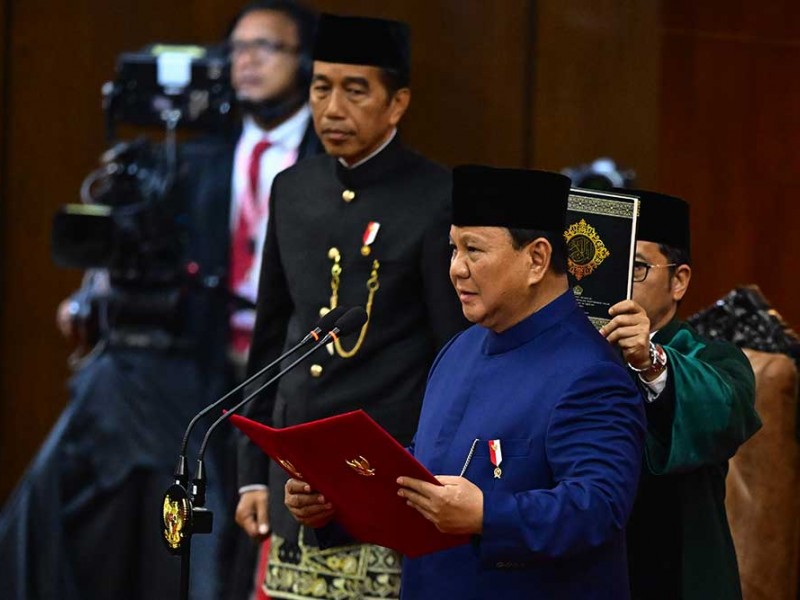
601 245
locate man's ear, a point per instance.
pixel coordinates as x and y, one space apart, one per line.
540 253
680 282
398 105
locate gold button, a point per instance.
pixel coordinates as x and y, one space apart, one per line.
315 370
324 311
333 253
348 195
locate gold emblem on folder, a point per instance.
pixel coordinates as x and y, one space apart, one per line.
361 466
290 467
585 250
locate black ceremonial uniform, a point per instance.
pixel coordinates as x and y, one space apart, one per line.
319 210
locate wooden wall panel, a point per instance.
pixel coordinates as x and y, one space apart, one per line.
4 31
4 36
596 84
729 142
773 21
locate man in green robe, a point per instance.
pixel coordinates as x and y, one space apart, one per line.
699 398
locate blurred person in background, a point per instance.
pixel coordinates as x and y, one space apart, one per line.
92 495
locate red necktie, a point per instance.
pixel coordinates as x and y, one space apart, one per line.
254 167
243 243
244 235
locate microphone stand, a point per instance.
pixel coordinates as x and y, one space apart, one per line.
198 483
181 473
184 513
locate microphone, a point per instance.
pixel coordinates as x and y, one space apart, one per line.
182 516
351 321
326 323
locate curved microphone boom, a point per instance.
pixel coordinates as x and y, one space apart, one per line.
326 323
348 323
183 513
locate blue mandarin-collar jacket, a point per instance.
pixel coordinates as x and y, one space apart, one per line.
571 426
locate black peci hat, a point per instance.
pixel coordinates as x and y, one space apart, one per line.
663 219
513 198
363 41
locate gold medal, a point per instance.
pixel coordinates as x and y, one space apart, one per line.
498 472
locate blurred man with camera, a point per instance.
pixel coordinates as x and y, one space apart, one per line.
93 493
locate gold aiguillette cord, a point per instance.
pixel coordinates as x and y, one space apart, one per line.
373 284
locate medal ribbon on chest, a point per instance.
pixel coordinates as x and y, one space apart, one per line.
370 233
496 456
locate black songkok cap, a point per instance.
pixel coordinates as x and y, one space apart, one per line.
513 198
363 41
663 219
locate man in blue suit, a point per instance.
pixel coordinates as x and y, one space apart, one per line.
529 416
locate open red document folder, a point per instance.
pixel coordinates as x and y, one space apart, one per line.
355 464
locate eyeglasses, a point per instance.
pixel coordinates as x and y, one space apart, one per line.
641 269
262 47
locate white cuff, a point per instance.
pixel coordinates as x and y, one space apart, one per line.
253 487
655 387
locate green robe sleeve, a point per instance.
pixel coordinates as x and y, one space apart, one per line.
707 409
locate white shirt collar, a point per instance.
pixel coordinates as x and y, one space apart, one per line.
287 135
373 155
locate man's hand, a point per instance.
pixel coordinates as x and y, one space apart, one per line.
251 513
307 507
454 507
629 329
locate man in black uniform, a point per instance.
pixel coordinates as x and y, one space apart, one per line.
365 225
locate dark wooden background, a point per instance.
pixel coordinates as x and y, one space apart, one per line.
700 98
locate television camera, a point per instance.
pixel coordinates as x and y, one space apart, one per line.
129 231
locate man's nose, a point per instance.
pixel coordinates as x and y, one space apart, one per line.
247 54
334 109
458 266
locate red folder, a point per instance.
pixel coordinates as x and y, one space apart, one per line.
355 464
